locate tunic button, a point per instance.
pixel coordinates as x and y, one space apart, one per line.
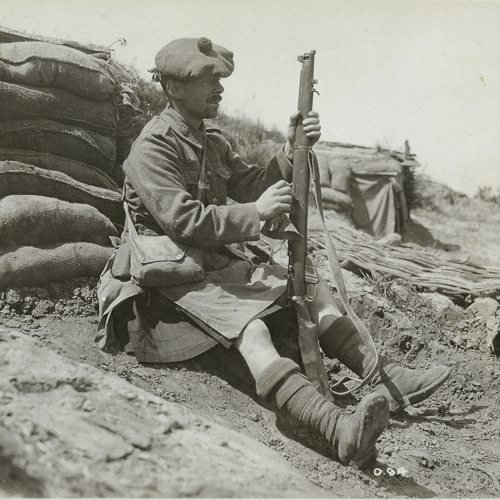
216 200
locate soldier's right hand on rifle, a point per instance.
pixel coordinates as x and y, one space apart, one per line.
275 200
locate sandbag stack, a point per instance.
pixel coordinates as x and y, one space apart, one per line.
335 179
69 115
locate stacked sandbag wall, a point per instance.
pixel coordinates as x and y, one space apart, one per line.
335 179
67 123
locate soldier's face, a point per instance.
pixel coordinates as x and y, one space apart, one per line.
201 96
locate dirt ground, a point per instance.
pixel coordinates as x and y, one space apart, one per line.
446 447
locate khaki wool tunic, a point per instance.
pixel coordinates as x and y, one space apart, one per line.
241 282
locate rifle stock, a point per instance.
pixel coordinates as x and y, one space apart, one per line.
308 331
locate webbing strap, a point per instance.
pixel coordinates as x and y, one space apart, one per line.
202 181
339 281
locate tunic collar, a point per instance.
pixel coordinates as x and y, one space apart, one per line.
183 129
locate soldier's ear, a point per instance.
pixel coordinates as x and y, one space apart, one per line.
174 88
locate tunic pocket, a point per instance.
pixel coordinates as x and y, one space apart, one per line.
191 172
221 170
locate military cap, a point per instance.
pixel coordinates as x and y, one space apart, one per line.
193 57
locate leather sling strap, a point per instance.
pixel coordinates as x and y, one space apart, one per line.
339 280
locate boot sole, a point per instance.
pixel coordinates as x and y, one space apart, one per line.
375 417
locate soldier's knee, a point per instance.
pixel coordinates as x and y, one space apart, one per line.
256 347
255 334
257 328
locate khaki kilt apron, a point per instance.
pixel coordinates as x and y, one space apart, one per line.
170 324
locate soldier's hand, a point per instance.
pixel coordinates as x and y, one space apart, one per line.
312 127
276 199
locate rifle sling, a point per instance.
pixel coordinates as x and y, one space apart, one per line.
339 281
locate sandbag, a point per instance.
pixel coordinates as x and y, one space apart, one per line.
68 141
43 64
75 169
23 101
334 172
32 266
118 175
380 166
120 73
325 177
336 200
123 148
38 220
130 126
19 178
10 35
341 179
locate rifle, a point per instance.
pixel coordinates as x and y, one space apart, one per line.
297 249
305 163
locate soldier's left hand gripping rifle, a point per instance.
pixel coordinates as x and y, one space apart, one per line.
305 164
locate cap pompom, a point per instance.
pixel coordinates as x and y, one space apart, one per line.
204 44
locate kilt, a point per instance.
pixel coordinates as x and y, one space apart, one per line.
172 324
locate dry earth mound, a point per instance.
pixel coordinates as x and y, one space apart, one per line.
67 428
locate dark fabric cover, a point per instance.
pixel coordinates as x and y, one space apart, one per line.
23 101
18 178
368 180
379 203
43 64
76 170
32 266
379 199
47 136
38 220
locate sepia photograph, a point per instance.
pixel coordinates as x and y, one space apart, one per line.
250 249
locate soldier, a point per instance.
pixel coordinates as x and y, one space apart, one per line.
179 175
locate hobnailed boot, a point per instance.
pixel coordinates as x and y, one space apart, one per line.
404 386
352 435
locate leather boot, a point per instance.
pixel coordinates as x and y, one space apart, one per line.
353 435
398 384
